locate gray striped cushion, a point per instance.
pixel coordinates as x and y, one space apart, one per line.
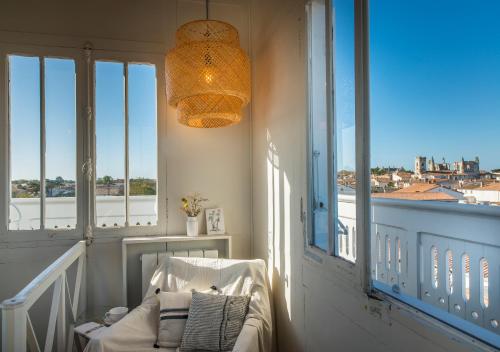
174 308
214 322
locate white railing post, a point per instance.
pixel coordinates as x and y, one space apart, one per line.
14 328
61 315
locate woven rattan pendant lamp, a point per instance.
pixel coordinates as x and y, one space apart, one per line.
208 74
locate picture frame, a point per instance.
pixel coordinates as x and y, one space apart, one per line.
215 221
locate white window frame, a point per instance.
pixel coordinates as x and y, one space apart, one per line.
161 192
330 265
357 275
42 233
85 147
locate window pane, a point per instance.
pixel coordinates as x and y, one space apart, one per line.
345 148
60 159
110 144
142 144
435 127
318 122
24 99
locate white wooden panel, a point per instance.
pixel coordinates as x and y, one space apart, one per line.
211 253
181 254
196 253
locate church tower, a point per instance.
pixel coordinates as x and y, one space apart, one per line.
420 165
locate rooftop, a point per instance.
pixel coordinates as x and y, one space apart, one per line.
417 188
429 196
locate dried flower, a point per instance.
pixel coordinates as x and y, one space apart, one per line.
191 204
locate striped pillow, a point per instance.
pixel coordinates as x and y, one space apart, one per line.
174 308
214 322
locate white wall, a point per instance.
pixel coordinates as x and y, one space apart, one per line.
216 163
314 311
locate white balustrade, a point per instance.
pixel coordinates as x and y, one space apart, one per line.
17 327
25 212
445 254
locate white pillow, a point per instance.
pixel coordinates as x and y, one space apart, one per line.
174 308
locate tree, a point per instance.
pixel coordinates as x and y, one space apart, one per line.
108 181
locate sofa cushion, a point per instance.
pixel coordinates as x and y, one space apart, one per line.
174 307
214 322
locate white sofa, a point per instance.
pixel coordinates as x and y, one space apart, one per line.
138 330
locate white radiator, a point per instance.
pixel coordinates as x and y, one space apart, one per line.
150 261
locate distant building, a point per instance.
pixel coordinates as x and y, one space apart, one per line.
402 179
433 171
420 165
380 181
489 194
467 167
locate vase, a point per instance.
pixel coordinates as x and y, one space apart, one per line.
192 226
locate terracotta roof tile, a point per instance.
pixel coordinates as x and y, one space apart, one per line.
417 188
490 187
439 196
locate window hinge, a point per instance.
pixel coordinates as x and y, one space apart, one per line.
87 169
89 235
88 113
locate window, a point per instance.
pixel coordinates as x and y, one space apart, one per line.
42 141
318 124
434 119
332 134
126 160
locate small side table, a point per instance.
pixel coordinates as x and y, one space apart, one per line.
90 324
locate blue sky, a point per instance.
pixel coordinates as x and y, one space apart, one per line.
435 91
60 107
435 81
142 120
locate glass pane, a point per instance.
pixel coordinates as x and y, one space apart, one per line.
24 99
435 127
345 145
110 144
142 144
318 122
60 153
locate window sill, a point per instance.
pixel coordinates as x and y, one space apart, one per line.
457 329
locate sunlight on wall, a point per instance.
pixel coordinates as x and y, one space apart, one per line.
286 239
270 220
278 226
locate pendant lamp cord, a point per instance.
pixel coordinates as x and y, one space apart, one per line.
206 8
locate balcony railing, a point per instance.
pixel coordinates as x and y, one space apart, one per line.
25 212
446 255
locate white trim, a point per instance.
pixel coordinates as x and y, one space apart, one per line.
362 111
41 68
4 141
158 62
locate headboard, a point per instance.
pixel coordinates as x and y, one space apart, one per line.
135 248
150 261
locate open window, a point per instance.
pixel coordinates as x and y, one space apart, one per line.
332 143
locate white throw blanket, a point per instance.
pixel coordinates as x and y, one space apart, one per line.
138 330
